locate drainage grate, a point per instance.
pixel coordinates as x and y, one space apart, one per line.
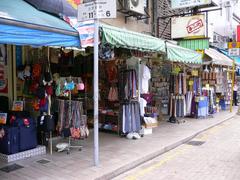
11 168
195 143
43 161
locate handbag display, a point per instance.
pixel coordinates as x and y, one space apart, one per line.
75 133
49 123
41 92
113 94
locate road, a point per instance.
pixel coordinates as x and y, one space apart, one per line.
212 155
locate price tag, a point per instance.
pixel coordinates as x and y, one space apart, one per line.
99 9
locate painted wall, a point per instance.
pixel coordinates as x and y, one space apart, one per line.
131 24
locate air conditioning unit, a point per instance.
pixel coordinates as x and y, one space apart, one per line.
136 6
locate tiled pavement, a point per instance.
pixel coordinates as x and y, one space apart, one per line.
216 159
116 154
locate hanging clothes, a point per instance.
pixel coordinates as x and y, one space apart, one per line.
144 76
177 106
128 85
71 118
172 83
130 113
202 110
189 98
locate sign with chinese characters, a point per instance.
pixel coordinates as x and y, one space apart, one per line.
190 26
99 9
233 45
234 48
234 52
176 4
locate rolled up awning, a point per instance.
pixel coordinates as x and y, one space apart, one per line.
22 24
218 58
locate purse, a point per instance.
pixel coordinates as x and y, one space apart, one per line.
66 132
49 123
41 92
75 133
49 90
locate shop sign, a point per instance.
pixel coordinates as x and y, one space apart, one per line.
3 69
233 45
194 72
100 9
188 27
175 4
238 33
234 52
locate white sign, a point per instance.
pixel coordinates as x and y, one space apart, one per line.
175 4
97 9
234 52
189 26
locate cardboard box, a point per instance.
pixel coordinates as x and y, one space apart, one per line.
147 131
150 122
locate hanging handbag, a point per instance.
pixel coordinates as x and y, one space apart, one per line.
115 94
86 132
49 90
110 94
75 133
41 92
36 71
49 123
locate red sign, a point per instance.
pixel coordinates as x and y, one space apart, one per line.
238 33
195 26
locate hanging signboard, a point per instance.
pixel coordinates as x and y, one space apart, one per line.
176 4
234 52
234 48
233 45
187 27
238 33
100 9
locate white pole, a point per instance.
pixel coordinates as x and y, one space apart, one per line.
95 96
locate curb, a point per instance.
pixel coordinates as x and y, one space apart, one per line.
151 156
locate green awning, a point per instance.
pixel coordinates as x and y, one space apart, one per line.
194 44
179 54
131 40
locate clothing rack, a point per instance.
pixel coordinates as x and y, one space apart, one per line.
128 84
69 146
130 115
129 104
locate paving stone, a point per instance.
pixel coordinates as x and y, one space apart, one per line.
117 153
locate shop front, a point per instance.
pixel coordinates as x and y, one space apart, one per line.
55 84
26 35
144 79
218 78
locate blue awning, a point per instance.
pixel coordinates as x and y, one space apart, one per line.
236 59
22 24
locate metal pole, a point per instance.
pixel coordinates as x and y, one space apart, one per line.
95 96
233 78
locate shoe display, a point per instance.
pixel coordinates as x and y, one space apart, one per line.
136 135
129 136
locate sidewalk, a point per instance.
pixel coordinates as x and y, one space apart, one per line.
116 154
